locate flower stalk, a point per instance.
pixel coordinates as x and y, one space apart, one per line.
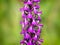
31 23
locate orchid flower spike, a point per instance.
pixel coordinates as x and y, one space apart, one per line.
31 26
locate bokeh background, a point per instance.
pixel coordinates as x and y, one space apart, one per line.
10 17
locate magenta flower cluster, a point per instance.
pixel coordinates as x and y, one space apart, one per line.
31 23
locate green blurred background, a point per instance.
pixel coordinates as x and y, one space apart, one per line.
10 17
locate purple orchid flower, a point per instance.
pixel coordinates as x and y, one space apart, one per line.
31 26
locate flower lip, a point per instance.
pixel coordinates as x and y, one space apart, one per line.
30 20
26 12
28 2
36 0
